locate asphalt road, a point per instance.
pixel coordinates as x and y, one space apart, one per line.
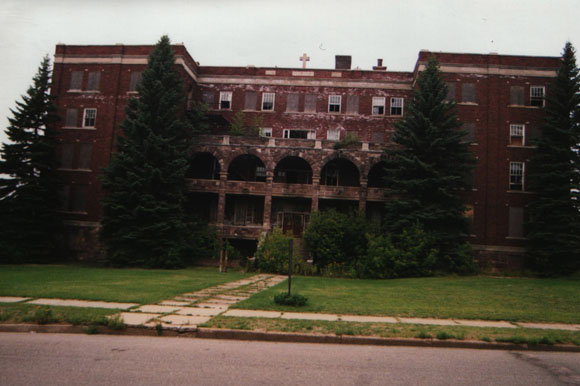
60 359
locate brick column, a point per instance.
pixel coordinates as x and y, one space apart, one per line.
315 188
221 208
267 203
363 193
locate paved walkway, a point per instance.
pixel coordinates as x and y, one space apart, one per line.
191 309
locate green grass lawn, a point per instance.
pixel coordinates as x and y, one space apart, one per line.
478 297
108 284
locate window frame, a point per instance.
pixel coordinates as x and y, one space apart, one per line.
514 129
94 118
268 95
310 134
266 132
94 81
334 102
394 106
134 80
513 177
225 96
382 101
335 135
534 99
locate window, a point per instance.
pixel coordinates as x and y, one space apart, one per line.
66 156
470 129
379 105
450 91
225 100
468 93
516 222
299 134
377 137
260 171
310 103
94 80
292 102
537 96
517 135
268 101
207 97
333 135
352 103
516 95
78 198
90 118
396 106
135 79
85 155
250 99
71 118
517 176
265 131
334 103
76 80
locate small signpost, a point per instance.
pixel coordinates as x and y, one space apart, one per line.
290 245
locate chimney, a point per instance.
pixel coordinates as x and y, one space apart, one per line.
379 66
342 62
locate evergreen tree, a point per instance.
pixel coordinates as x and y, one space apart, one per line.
29 201
427 168
143 219
553 230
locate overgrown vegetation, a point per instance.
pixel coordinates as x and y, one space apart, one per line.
239 127
349 139
272 254
292 300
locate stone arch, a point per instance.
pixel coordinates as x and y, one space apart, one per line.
377 175
293 170
340 171
203 165
247 167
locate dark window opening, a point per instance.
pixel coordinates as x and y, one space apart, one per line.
244 210
340 172
377 176
203 166
247 167
293 170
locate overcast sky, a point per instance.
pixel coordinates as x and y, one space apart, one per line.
277 33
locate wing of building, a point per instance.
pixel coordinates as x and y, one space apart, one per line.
247 185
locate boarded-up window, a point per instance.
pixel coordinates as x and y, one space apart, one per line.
76 80
208 98
71 118
310 103
93 81
468 93
378 137
78 198
470 130
516 222
333 134
135 79
250 100
352 104
85 155
517 95
450 91
292 102
66 156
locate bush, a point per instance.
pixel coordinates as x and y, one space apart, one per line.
290 300
334 237
412 253
272 254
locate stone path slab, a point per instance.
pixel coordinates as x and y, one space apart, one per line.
368 319
213 305
12 299
83 303
484 323
174 303
184 320
137 318
157 309
253 313
438 322
551 326
309 316
199 311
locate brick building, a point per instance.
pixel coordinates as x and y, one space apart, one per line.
247 185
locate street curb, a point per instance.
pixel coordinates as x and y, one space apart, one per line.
284 337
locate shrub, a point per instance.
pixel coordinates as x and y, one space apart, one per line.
290 300
412 253
43 315
272 254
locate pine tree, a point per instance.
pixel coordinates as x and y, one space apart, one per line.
553 230
428 167
143 221
29 200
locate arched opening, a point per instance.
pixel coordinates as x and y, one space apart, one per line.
377 176
247 167
340 172
293 170
203 166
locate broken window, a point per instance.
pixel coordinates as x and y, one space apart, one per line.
292 102
352 104
251 98
516 222
299 134
396 106
379 106
334 103
517 95
537 96
76 80
71 118
225 100
517 176
450 91
310 103
244 210
90 118
517 135
468 93
135 79
93 81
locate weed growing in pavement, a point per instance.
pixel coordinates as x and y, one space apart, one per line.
159 329
43 315
423 335
91 329
116 322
